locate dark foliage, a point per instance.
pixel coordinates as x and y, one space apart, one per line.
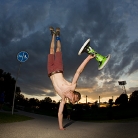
133 100
8 86
122 100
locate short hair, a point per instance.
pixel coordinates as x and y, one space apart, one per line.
77 93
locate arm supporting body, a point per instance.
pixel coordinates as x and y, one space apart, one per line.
60 114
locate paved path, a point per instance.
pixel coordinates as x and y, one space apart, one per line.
47 127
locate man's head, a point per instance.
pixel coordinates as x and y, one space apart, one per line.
76 96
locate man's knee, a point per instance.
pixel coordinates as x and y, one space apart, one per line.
51 50
58 49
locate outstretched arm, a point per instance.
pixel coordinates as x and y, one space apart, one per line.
60 114
81 68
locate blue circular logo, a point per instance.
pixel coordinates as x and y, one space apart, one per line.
22 56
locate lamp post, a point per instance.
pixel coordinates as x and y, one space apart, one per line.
86 99
21 57
123 83
99 99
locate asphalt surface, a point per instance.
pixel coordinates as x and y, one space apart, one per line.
47 127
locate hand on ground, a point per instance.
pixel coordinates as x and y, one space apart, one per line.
62 128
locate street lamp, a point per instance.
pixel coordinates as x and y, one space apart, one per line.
99 99
86 99
123 83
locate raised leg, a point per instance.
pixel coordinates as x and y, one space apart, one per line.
52 46
58 49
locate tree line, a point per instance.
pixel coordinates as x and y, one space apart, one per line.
8 86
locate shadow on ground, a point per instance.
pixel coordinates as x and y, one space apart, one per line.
68 124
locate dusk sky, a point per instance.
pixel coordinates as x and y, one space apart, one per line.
112 26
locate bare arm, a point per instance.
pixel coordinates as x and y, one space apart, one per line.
60 114
81 68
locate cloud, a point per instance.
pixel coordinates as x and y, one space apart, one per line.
25 26
19 19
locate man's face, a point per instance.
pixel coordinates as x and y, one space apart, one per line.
74 99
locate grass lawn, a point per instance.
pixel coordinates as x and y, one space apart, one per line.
9 118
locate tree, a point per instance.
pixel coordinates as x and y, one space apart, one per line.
1 72
46 103
48 100
9 86
110 102
18 90
54 101
122 100
133 100
117 101
20 99
33 102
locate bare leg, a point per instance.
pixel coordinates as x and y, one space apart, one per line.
58 49
52 46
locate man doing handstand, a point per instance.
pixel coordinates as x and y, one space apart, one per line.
63 88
